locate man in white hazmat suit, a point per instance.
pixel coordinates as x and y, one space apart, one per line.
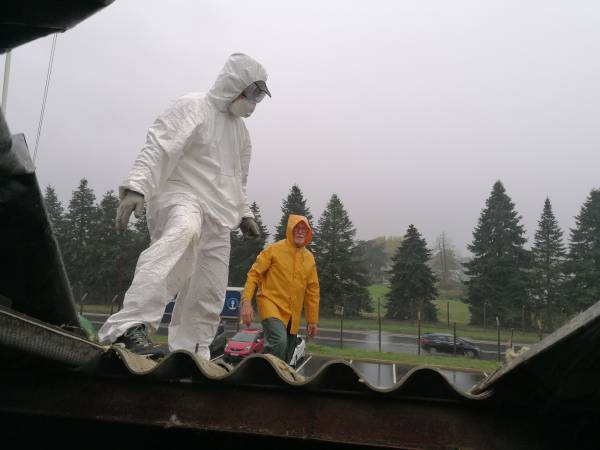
192 175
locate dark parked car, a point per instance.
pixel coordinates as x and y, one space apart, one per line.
444 343
217 346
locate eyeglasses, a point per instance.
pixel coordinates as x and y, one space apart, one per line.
300 230
256 91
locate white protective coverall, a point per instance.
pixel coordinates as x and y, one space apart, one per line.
192 173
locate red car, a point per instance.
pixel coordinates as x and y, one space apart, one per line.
244 343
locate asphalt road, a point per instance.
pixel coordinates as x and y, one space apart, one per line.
392 342
365 340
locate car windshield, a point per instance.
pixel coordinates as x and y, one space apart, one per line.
244 337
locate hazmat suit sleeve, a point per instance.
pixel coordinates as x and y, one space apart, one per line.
256 273
165 143
245 162
312 297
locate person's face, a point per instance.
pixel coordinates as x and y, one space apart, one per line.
300 232
242 107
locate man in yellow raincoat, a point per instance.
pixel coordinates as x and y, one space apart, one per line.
285 274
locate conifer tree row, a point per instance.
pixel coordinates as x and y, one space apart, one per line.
244 251
540 288
498 281
582 288
412 282
342 275
99 262
547 258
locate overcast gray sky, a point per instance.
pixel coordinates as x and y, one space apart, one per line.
408 110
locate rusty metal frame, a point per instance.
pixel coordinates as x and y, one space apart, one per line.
281 414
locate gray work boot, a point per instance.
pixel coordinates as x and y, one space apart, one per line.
136 340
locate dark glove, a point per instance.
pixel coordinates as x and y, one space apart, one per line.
249 228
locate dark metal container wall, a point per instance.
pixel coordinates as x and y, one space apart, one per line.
22 21
33 279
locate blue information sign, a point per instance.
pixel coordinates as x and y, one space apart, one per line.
231 308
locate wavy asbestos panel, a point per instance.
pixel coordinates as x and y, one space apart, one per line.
269 372
23 334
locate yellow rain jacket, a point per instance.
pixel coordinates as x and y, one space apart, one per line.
286 278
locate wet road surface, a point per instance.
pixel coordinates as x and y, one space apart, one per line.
364 340
390 342
385 375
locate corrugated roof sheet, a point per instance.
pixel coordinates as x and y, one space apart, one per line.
28 335
263 397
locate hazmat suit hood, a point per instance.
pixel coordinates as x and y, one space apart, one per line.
293 220
239 72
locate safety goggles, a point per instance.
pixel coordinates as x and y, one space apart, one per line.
256 91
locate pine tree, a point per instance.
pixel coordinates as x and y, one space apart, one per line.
107 246
129 244
244 251
583 262
548 254
497 284
142 234
125 250
342 276
56 212
293 204
412 282
78 244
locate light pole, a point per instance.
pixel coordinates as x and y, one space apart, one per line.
81 303
379 316
498 328
342 327
484 314
454 338
418 332
112 303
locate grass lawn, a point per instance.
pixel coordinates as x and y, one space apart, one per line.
378 291
459 313
401 327
159 339
459 362
96 309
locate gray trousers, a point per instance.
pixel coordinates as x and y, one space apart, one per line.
278 340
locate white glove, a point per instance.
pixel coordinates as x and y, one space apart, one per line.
249 228
131 201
